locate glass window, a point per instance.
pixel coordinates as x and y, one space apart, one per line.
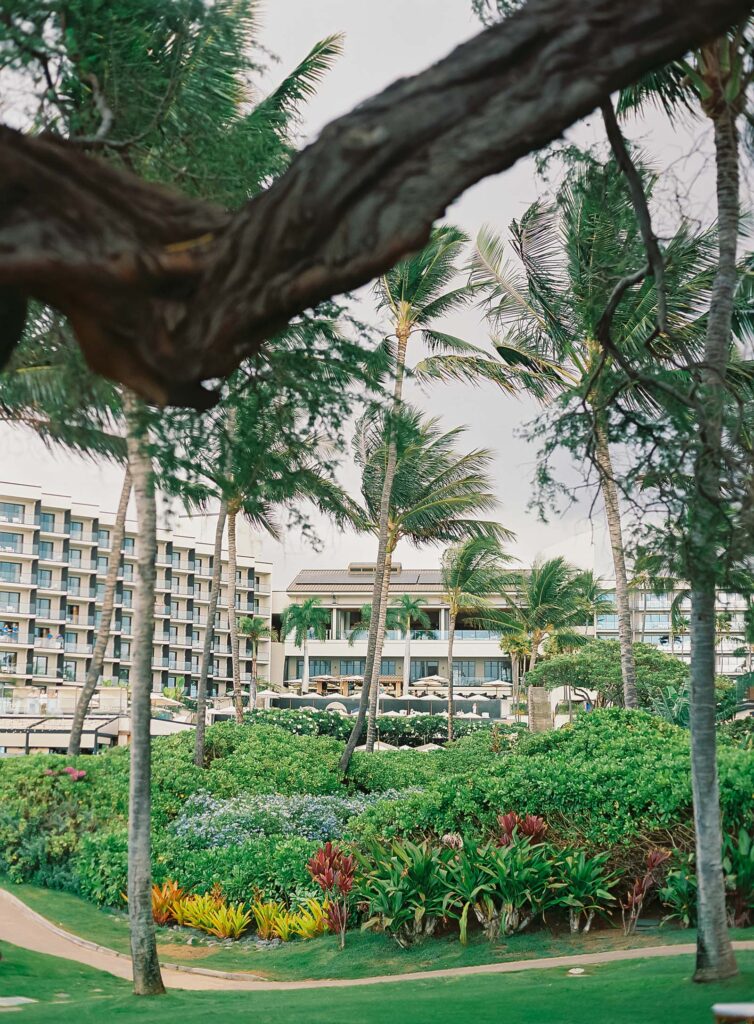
127 598
40 665
43 607
421 668
125 649
497 668
11 512
45 549
655 621
175 559
74 584
463 669
10 572
72 615
125 625
100 591
97 618
128 571
123 675
199 564
74 556
607 622
8 661
128 545
47 522
388 667
102 562
69 671
9 602
11 541
77 528
44 579
657 600
103 538
195 639
349 666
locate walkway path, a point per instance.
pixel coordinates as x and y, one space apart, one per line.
23 927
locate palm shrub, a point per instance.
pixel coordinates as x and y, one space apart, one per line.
584 886
334 871
524 886
738 867
678 894
470 889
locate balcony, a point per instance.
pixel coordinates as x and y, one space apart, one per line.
182 591
27 608
78 648
48 643
21 519
262 588
16 639
175 666
21 550
20 579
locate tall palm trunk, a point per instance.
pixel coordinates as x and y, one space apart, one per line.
103 632
374 653
622 603
305 673
253 684
536 640
209 635
232 614
714 954
146 967
407 659
451 639
374 683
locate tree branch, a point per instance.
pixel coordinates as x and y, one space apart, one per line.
164 292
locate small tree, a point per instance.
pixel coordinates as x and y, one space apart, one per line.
254 628
308 620
410 611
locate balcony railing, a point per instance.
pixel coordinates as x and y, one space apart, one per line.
78 648
20 518
21 578
48 643
17 609
16 639
427 634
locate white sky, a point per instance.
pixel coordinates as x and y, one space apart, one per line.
384 41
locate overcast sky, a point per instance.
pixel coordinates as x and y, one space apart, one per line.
384 41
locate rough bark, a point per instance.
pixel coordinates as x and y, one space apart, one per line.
209 635
609 490
714 957
146 968
451 638
233 614
164 292
103 632
374 682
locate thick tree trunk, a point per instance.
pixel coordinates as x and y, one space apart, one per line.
407 661
146 967
103 632
374 682
451 638
233 614
622 602
378 586
166 292
714 956
209 635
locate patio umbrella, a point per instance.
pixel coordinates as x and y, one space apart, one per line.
432 679
168 702
424 747
268 693
379 745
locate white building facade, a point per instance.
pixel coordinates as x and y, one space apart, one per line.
54 554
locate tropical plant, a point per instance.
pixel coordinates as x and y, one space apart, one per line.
164 899
738 865
632 903
266 914
310 919
470 890
435 497
512 826
585 886
361 626
254 628
679 893
306 620
334 872
471 572
522 874
410 612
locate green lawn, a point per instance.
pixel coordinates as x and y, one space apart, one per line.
366 954
650 992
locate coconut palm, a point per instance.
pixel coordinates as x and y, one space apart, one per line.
254 628
472 571
362 624
409 612
436 497
307 621
547 605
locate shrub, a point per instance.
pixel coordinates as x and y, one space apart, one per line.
164 900
738 865
584 886
334 872
679 893
102 866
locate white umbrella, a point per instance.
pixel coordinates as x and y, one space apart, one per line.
268 693
427 696
424 747
168 702
379 745
432 679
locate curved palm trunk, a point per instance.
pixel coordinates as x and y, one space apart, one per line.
374 683
714 954
209 635
536 640
253 684
379 572
233 615
622 604
407 660
103 633
451 638
146 968
305 673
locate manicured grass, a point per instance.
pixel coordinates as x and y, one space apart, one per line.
366 954
649 991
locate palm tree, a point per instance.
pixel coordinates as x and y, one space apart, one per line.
471 571
717 78
436 496
414 295
254 628
209 634
410 612
362 624
146 967
547 604
307 620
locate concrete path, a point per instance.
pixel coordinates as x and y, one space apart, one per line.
23 927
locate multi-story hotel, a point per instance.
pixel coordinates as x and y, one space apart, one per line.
54 554
477 657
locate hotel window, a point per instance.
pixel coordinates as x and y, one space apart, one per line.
128 572
463 670
127 600
47 522
388 667
74 584
8 661
103 538
128 545
44 579
43 607
9 602
72 615
11 541
125 625
40 665
45 549
496 669
69 671
350 666
102 562
195 639
422 669
74 556
10 512
10 572
125 649
199 564
77 528
100 591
